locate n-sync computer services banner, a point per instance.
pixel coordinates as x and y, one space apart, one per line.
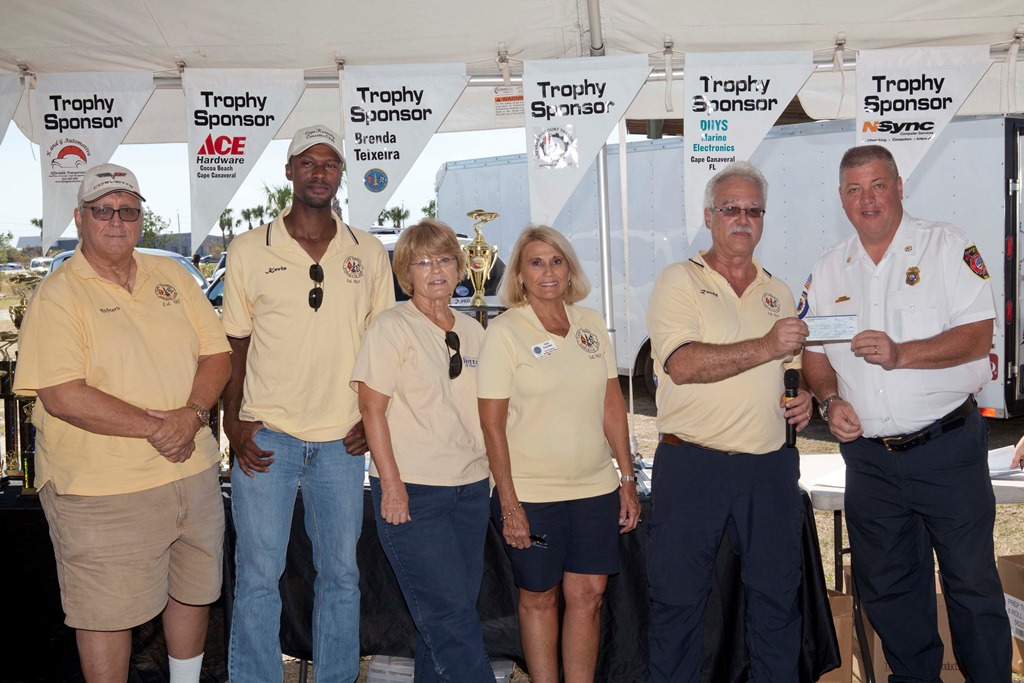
906 97
390 113
732 100
10 95
81 119
233 114
571 107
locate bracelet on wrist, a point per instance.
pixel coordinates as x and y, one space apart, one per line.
823 405
624 479
506 515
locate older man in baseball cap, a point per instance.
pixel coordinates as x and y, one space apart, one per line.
126 357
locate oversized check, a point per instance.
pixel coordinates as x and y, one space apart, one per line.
823 328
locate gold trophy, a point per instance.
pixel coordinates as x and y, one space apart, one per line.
481 256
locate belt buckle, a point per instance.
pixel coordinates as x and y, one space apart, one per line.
892 443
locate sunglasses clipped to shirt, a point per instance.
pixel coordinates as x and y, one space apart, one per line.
316 295
455 362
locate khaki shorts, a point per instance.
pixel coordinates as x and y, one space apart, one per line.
120 556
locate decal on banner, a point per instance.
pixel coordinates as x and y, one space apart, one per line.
375 180
556 148
69 157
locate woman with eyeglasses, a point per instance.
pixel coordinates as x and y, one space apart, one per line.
416 377
554 419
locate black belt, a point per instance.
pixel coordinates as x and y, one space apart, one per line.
904 442
673 440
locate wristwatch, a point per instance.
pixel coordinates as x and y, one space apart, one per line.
823 406
626 478
202 414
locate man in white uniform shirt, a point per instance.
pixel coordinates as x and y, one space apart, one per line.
899 397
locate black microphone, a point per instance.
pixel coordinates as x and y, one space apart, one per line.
791 380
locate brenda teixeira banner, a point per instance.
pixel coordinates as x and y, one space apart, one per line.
906 97
571 107
733 99
390 113
233 114
81 119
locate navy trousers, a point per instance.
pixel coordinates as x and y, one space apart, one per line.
901 506
697 496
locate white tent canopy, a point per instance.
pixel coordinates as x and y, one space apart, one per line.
39 36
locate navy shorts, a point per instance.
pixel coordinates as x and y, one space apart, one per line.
582 537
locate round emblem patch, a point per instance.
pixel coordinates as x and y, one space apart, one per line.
555 148
166 292
375 180
354 267
588 341
771 302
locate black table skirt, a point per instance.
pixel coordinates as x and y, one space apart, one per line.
36 646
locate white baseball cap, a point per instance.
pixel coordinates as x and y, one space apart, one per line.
101 180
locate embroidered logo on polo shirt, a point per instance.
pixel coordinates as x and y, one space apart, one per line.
972 257
707 291
588 341
166 292
354 267
771 302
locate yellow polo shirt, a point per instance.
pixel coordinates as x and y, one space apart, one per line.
434 421
141 347
691 302
299 360
556 388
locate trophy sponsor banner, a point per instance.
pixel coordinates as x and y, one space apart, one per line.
732 100
10 95
233 114
390 113
906 97
81 119
571 107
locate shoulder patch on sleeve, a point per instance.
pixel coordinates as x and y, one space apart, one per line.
972 257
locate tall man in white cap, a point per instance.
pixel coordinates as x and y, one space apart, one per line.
299 295
126 357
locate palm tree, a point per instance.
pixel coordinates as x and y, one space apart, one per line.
258 213
397 215
430 210
278 197
246 215
225 224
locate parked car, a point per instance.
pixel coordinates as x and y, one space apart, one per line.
12 266
183 260
40 264
462 295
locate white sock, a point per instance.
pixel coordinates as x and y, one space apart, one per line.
185 670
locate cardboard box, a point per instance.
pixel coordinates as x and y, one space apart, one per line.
842 617
950 672
1011 574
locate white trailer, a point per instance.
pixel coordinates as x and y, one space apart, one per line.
971 177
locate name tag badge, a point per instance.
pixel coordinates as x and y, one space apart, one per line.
545 348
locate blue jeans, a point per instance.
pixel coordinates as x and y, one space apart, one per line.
438 558
332 491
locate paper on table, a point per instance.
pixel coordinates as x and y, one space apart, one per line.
821 328
834 480
999 464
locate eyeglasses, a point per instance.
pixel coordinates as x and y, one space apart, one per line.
735 211
316 295
455 362
443 262
128 214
